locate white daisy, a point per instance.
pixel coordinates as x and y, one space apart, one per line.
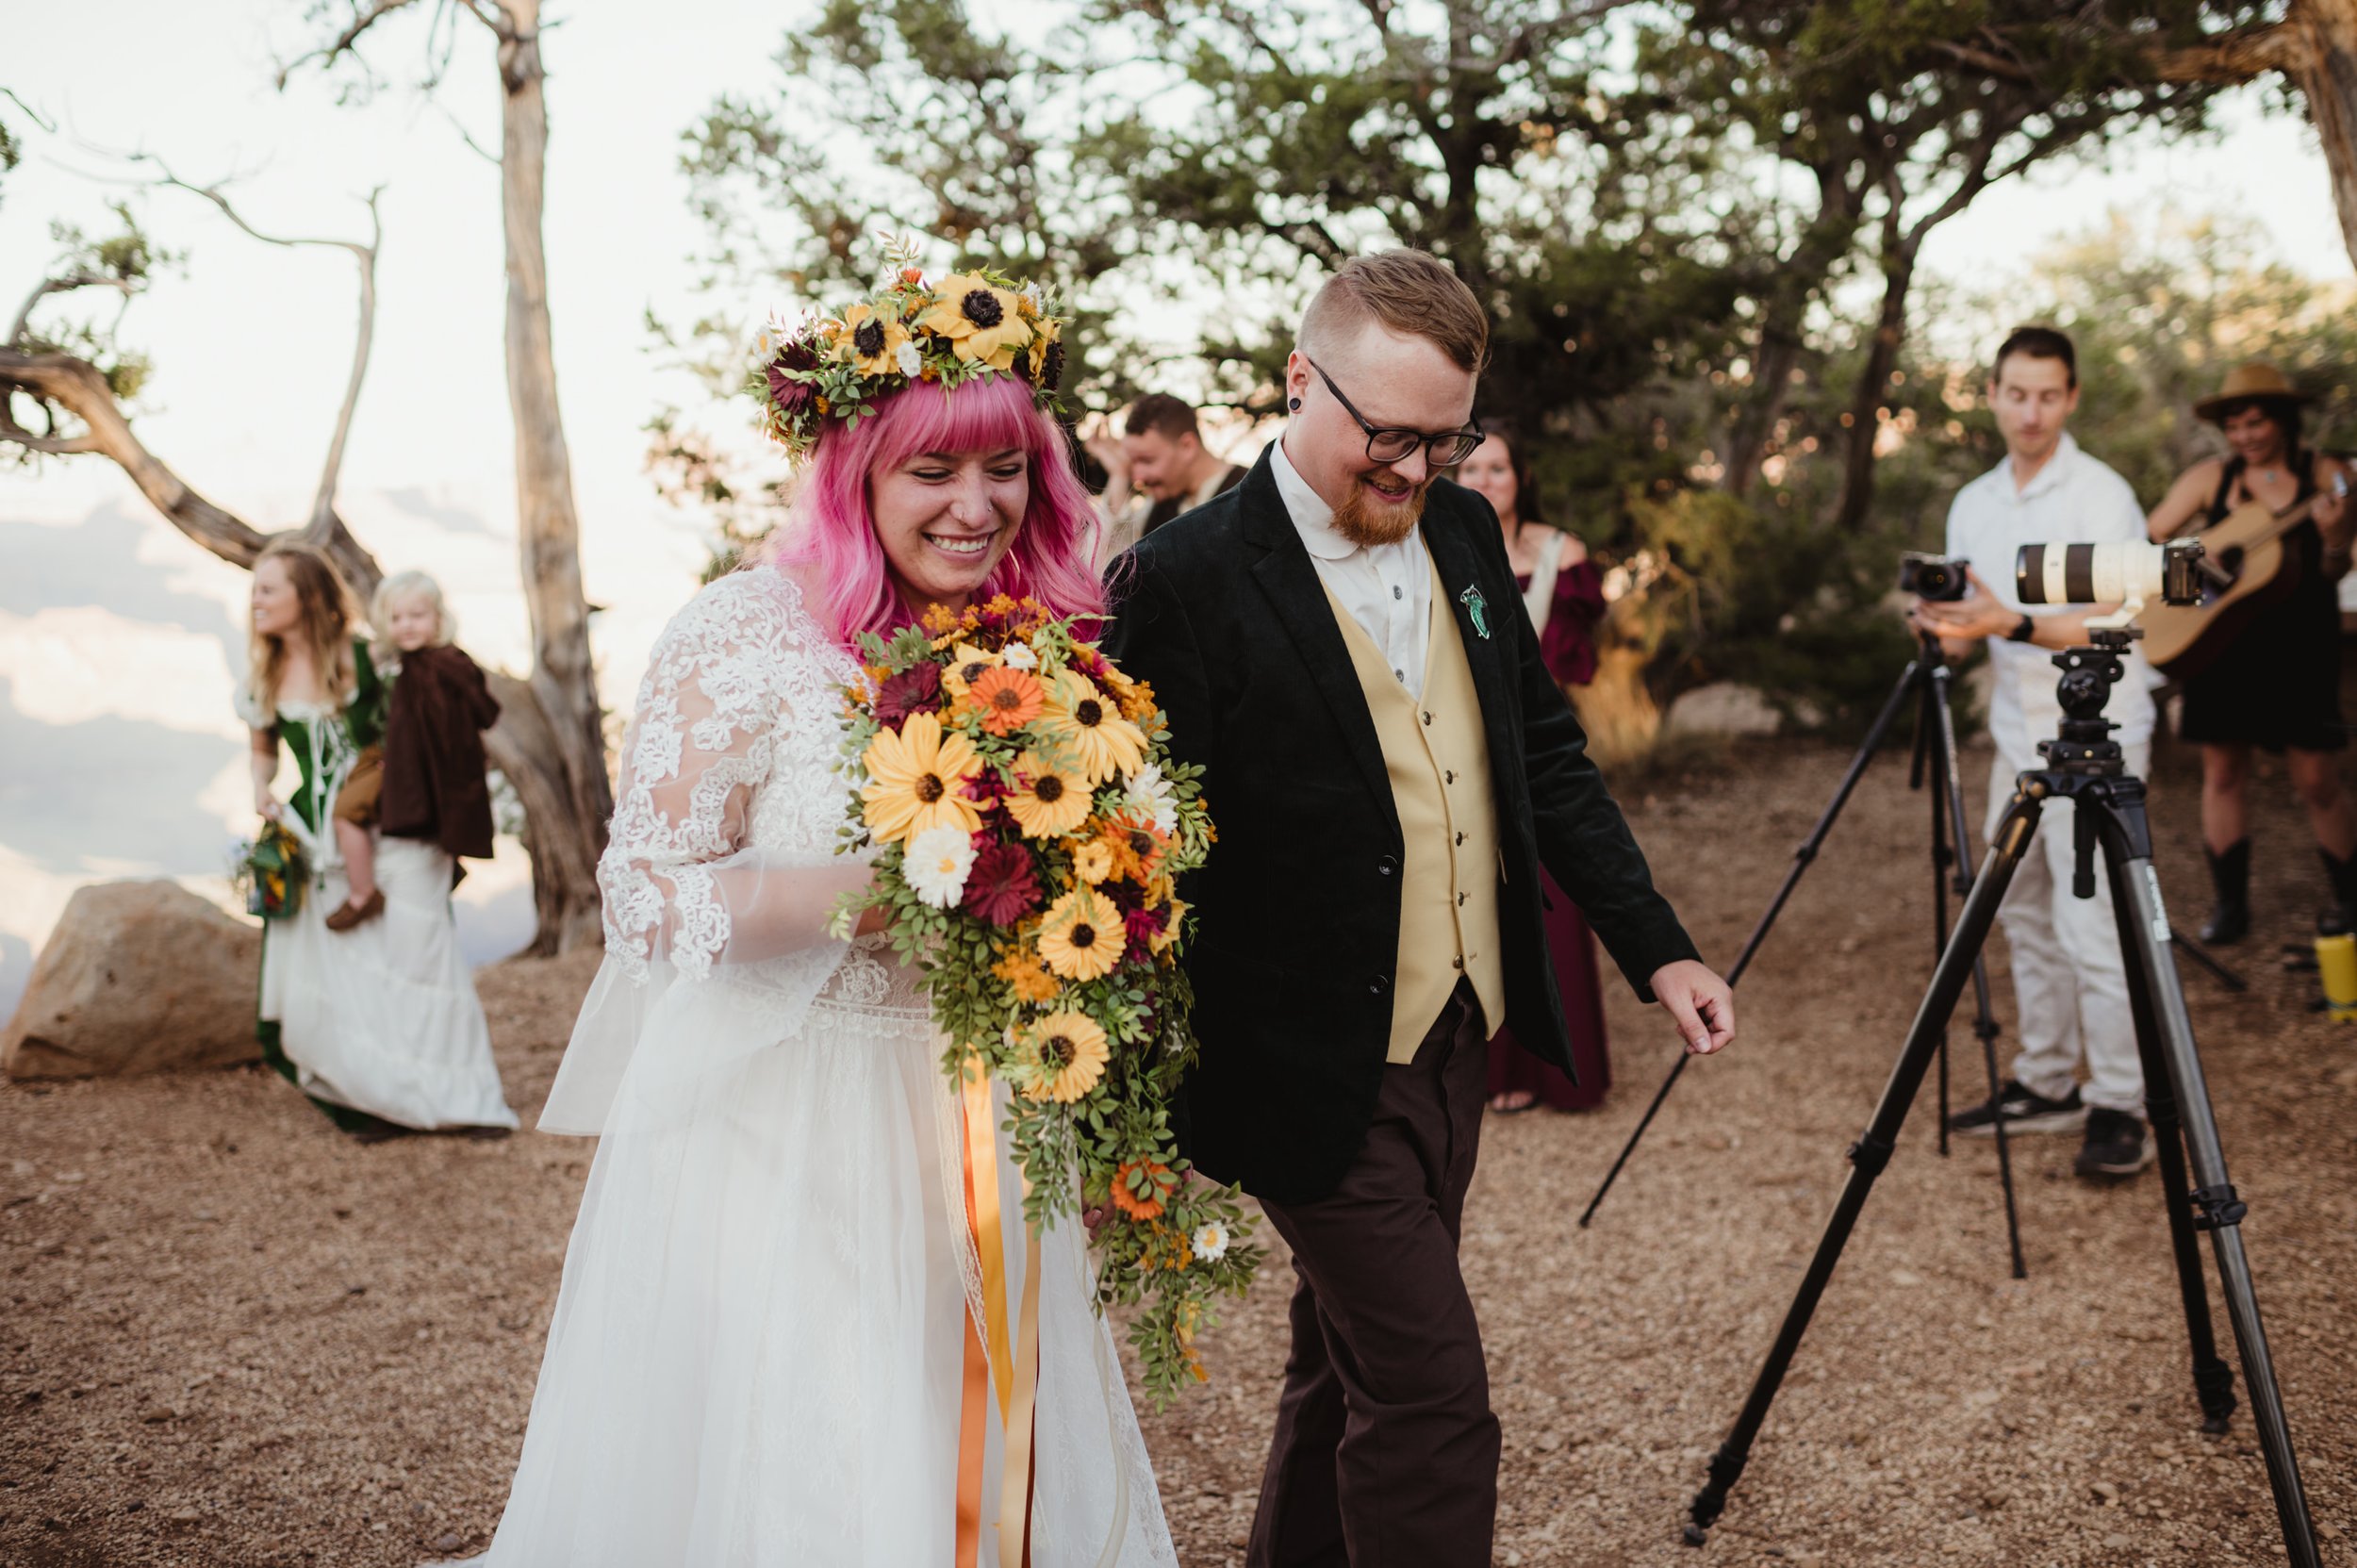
936 864
1019 656
911 362
766 342
1210 1242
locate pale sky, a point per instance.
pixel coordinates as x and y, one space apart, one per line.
119 638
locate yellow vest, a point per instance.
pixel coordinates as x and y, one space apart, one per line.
1439 761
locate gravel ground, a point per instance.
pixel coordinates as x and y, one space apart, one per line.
233 1337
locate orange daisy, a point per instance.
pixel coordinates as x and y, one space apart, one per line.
1009 699
1139 1186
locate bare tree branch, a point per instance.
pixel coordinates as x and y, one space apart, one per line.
322 505
342 43
10 94
78 387
81 279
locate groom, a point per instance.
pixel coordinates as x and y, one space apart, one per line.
1340 643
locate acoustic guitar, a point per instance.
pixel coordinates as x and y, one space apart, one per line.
2245 568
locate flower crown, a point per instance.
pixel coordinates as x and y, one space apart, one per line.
957 329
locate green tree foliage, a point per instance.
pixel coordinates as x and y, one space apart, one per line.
1672 212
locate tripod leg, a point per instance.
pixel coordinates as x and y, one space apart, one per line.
2144 927
1802 859
2213 1379
1984 1016
1873 1151
1927 753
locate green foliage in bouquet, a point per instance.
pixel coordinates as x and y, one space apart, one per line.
1032 830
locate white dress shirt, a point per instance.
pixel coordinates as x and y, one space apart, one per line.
2074 499
1386 588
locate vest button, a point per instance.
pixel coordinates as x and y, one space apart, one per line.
1456 962
1460 901
1449 777
1387 866
1379 985
1460 838
1427 721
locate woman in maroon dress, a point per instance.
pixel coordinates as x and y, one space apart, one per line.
1563 594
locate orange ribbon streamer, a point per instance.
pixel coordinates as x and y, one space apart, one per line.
1017 1364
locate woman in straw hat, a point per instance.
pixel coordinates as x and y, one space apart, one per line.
2277 684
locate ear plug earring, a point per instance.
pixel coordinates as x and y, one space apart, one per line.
1293 402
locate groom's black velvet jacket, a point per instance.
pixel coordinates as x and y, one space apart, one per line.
1223 611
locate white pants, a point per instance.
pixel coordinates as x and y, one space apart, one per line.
2070 985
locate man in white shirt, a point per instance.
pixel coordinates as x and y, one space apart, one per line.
2070 981
1158 469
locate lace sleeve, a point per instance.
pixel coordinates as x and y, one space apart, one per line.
681 883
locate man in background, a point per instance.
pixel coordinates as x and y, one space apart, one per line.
1157 469
2070 981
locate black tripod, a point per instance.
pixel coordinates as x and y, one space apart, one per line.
2084 766
1926 679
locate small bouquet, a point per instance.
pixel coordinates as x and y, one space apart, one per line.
1032 829
268 870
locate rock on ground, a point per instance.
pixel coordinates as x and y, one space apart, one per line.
137 976
229 1336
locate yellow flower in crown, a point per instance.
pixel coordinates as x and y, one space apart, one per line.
1063 1056
917 779
1054 799
1082 937
1082 722
983 321
871 340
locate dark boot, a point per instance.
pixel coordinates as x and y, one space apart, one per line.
2230 873
2341 914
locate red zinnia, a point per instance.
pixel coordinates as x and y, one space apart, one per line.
1001 888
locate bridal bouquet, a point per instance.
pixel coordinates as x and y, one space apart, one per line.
1032 827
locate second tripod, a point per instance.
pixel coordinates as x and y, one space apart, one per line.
1926 683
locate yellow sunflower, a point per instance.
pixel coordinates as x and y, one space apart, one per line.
965 666
1079 721
1063 1056
1054 802
917 779
871 340
983 321
1082 937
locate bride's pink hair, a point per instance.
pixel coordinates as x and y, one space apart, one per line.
833 528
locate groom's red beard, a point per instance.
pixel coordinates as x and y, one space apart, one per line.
1365 518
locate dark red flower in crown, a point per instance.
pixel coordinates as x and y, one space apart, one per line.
786 392
916 689
1000 889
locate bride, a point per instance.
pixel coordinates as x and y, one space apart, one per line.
758 1352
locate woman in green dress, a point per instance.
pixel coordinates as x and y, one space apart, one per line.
379 1024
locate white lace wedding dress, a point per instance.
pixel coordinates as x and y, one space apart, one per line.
756 1353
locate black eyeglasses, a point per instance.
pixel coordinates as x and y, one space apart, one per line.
1392 444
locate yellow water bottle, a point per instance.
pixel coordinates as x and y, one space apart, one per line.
2336 961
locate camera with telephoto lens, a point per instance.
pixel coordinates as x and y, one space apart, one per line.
1935 577
2122 573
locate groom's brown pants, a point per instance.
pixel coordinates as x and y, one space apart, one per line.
1385 1453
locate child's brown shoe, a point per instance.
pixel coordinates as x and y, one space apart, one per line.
351 915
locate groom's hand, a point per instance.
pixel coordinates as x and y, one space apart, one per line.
1699 1001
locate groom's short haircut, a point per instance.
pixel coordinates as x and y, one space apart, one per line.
1410 292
